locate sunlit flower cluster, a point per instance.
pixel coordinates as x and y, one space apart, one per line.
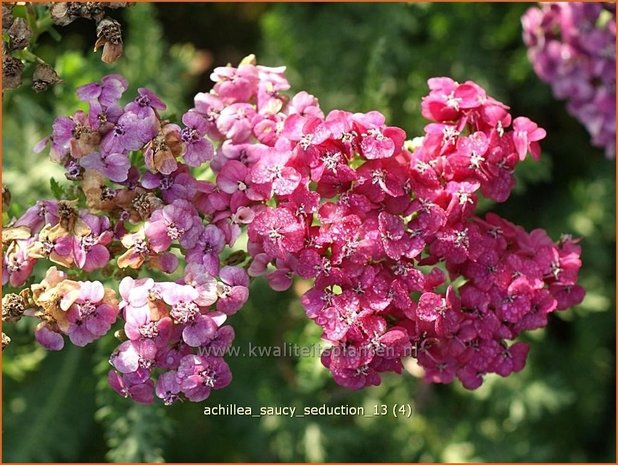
383 227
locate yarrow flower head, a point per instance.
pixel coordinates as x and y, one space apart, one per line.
341 199
572 46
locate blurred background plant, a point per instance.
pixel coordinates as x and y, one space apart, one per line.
58 406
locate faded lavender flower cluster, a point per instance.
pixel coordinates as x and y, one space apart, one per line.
572 46
141 210
383 227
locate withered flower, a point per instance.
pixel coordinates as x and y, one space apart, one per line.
6 197
64 13
138 250
7 16
17 233
19 34
84 140
12 70
48 293
101 197
143 204
109 36
161 152
43 77
114 5
46 245
5 341
70 220
13 307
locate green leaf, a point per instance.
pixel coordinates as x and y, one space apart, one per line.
57 190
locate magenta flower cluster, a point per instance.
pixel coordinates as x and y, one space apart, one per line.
383 227
572 46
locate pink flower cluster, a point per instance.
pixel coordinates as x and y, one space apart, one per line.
384 228
375 225
165 323
573 47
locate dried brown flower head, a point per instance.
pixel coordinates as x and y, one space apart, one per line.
64 13
13 307
5 341
6 197
12 70
7 16
43 77
109 36
19 34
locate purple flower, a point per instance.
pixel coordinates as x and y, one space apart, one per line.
115 166
233 177
197 328
198 149
139 325
131 132
90 310
209 106
207 249
168 388
197 276
220 342
89 251
177 221
178 185
107 93
17 265
131 356
50 340
235 84
103 118
42 213
62 133
233 289
198 375
198 331
137 386
136 293
235 122
145 104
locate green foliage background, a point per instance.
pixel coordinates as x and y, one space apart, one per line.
58 407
